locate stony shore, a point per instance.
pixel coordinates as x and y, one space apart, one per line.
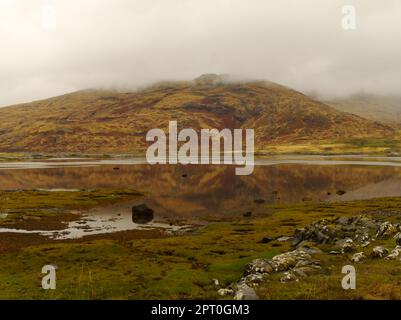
348 235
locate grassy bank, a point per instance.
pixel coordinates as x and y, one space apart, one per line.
364 146
360 146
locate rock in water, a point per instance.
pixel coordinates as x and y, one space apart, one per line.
142 214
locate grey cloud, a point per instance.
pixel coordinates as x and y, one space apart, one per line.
51 47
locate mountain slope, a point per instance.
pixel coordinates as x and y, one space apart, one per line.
106 121
371 106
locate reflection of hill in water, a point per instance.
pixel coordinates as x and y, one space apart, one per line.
214 189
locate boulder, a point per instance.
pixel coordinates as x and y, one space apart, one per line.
266 239
253 280
299 235
295 264
245 292
288 277
397 238
394 254
379 252
305 271
288 260
357 257
225 292
308 247
345 221
259 266
284 239
361 229
142 214
282 263
348 246
386 230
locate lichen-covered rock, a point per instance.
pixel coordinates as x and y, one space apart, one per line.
283 262
225 292
361 229
253 280
288 277
294 264
379 252
245 292
357 257
348 246
397 238
386 230
346 234
299 236
394 254
288 260
306 271
362 237
259 266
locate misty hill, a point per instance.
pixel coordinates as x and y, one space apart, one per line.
95 121
371 106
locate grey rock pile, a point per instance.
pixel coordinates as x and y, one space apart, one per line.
294 265
348 234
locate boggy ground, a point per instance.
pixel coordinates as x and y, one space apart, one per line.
50 210
155 265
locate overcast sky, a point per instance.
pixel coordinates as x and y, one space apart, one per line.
51 47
